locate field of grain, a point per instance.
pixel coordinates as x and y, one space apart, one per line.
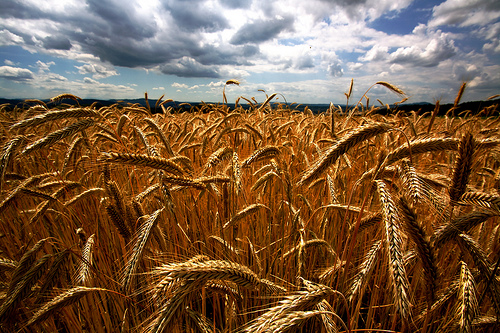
273 219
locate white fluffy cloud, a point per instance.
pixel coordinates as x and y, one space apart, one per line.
16 73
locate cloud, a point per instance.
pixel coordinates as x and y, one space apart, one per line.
44 66
58 43
179 85
262 30
9 38
97 71
437 50
236 4
377 52
189 67
196 16
16 73
465 12
335 69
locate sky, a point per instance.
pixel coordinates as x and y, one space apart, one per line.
305 51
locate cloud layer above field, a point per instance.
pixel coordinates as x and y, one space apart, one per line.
425 47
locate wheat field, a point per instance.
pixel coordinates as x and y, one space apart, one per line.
268 219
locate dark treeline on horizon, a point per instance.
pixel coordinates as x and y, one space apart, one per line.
474 106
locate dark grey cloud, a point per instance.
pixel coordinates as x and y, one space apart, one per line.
195 15
16 73
236 4
127 35
17 9
117 19
57 43
262 30
188 67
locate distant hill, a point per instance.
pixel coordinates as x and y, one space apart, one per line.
421 108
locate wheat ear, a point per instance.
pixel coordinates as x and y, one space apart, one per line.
244 213
484 200
261 154
424 248
144 160
161 135
467 302
420 146
51 278
480 259
23 287
361 134
217 156
83 271
365 269
55 115
143 235
26 261
67 298
299 301
462 168
59 135
394 246
8 153
458 225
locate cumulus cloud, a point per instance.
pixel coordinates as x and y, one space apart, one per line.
16 73
377 52
179 85
97 71
431 55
